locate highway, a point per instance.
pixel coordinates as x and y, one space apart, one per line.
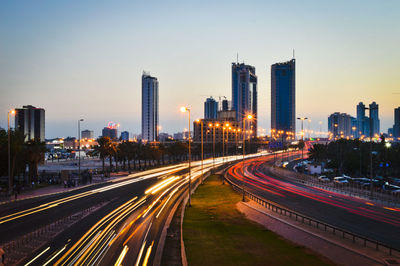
368 219
125 229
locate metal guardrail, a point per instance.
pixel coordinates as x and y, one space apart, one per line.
366 242
350 189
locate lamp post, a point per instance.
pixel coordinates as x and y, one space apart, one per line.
183 110
201 128
223 144
10 179
79 148
249 117
302 135
371 133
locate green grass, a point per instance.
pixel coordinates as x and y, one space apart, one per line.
216 233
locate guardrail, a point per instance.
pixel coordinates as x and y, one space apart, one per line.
366 242
350 189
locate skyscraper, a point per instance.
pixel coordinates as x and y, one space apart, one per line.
210 108
31 121
361 120
283 96
149 108
244 93
396 126
340 125
374 116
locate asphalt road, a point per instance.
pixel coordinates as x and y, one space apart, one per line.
126 228
376 222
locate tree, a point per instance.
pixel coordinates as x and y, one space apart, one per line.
318 152
35 150
103 149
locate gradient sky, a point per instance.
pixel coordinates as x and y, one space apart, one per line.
84 59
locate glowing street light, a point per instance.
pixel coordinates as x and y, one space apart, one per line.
10 179
184 110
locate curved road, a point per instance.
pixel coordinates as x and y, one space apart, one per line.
373 221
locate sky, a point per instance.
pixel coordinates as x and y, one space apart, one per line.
84 59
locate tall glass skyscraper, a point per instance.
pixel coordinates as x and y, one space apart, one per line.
283 96
210 108
150 121
244 93
374 116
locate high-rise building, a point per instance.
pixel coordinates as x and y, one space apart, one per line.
111 132
150 120
124 136
396 126
31 121
87 134
361 120
283 96
374 116
225 105
244 93
340 125
366 124
210 108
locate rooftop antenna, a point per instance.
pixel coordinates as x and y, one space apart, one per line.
237 58
293 54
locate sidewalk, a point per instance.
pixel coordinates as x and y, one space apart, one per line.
339 250
55 189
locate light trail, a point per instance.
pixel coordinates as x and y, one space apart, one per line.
35 258
146 258
121 256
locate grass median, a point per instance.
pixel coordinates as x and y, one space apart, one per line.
216 233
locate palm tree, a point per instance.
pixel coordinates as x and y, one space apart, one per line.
103 149
318 152
35 151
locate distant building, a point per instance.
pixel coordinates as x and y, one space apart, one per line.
31 121
164 137
70 143
225 105
396 126
374 116
340 125
110 132
210 108
178 136
150 123
229 127
367 124
227 115
244 93
87 134
124 136
283 96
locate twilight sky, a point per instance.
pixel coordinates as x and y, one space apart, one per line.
84 59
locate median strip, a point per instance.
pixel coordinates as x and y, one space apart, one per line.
216 233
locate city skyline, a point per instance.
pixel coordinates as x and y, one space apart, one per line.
92 54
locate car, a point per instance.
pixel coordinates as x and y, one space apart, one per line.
340 180
360 180
323 178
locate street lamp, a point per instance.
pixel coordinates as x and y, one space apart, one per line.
183 110
10 179
79 148
201 127
302 134
249 117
